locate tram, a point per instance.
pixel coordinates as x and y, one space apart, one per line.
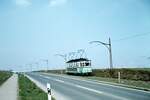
79 66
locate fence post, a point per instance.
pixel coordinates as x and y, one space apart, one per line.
49 91
118 77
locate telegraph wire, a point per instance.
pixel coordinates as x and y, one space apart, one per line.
133 36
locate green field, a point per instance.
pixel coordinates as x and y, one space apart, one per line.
29 91
4 75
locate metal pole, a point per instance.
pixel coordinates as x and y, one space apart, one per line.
110 55
118 77
31 67
108 46
37 65
46 61
63 56
47 65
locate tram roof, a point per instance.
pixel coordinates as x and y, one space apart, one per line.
77 60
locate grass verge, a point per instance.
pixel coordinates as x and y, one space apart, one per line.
4 75
144 85
29 91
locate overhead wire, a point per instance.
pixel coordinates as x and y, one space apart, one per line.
132 36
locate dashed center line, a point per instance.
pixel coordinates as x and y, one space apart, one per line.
59 80
89 89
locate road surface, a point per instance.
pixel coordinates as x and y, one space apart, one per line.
78 89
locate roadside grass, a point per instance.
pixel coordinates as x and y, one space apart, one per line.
29 91
136 74
4 75
141 84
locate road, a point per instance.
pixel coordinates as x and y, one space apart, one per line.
79 89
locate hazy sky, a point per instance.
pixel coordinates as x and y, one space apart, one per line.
31 30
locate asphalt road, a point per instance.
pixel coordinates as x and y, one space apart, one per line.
78 89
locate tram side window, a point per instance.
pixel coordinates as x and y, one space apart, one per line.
81 64
84 64
70 65
87 64
90 64
76 64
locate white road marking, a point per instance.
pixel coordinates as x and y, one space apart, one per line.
102 83
40 75
46 77
59 80
89 89
96 91
115 96
109 84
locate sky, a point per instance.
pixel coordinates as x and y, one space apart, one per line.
33 30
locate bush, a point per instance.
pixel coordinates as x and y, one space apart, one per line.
4 75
